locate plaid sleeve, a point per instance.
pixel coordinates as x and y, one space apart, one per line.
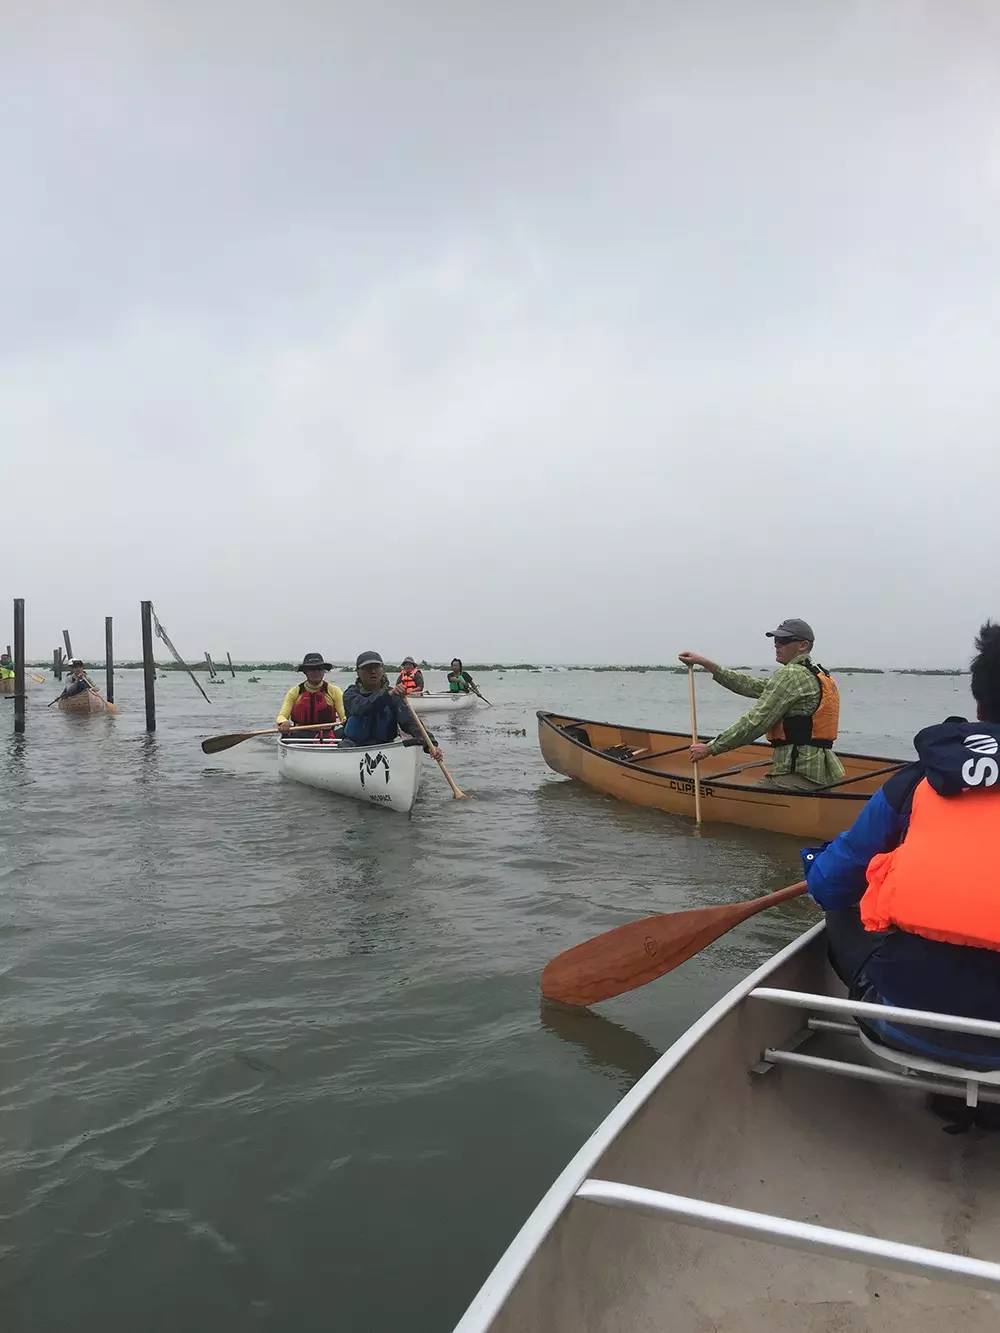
786 688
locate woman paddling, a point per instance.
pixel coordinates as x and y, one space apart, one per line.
459 680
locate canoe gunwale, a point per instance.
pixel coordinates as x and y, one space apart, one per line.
490 1299
545 717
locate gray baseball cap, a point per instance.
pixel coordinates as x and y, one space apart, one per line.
793 629
368 659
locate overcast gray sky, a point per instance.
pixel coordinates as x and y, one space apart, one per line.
566 332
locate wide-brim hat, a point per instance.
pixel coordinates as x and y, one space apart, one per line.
312 661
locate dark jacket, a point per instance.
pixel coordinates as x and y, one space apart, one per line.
376 717
906 969
74 686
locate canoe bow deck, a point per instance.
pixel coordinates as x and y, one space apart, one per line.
651 768
738 1146
384 775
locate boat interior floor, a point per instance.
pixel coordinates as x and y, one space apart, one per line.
864 1157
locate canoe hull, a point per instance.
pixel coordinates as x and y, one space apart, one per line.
442 703
859 1157
663 780
87 702
387 776
7 685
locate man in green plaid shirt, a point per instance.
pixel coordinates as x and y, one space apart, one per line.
792 692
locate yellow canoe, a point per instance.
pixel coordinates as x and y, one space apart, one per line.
651 768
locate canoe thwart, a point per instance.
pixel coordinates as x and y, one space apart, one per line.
872 1251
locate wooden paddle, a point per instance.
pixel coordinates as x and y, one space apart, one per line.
630 955
476 690
216 743
694 741
456 790
112 708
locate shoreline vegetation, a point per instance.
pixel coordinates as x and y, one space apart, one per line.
639 669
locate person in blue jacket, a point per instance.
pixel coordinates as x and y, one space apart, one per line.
917 923
376 712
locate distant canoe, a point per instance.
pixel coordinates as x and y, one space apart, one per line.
85 702
651 768
441 703
385 775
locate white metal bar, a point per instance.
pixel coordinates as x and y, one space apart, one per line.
918 1018
870 1074
831 1025
872 1251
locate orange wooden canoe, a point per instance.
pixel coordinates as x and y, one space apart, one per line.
651 768
84 702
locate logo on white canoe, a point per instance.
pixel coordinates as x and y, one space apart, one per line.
368 766
984 771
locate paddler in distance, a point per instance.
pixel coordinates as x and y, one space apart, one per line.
77 682
315 700
376 713
797 708
411 677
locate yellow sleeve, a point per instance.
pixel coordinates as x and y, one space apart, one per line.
336 697
285 712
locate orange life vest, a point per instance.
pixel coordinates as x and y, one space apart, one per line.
941 881
313 706
818 728
408 680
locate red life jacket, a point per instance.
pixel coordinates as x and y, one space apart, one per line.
408 680
313 706
941 881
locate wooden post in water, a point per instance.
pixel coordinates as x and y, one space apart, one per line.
69 646
148 665
18 665
211 668
231 667
57 663
109 659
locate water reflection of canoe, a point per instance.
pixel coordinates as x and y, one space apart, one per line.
441 703
84 702
772 1173
651 768
385 775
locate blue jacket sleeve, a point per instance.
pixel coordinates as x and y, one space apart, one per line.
837 873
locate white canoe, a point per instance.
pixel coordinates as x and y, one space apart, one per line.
385 775
759 1132
441 703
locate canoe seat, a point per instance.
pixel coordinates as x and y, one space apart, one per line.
916 1072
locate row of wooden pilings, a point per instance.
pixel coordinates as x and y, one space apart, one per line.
58 662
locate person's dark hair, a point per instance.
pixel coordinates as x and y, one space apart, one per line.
459 661
986 672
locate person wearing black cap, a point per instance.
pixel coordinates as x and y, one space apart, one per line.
78 682
376 713
315 700
798 709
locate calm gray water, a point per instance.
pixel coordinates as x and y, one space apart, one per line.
275 1060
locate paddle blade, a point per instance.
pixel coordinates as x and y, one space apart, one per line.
641 951
216 743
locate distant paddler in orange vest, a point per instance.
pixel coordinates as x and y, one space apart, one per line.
315 700
411 678
797 709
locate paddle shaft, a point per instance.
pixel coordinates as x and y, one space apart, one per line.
694 741
212 745
476 690
456 790
641 951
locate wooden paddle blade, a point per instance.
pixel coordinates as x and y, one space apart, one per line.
641 951
216 743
